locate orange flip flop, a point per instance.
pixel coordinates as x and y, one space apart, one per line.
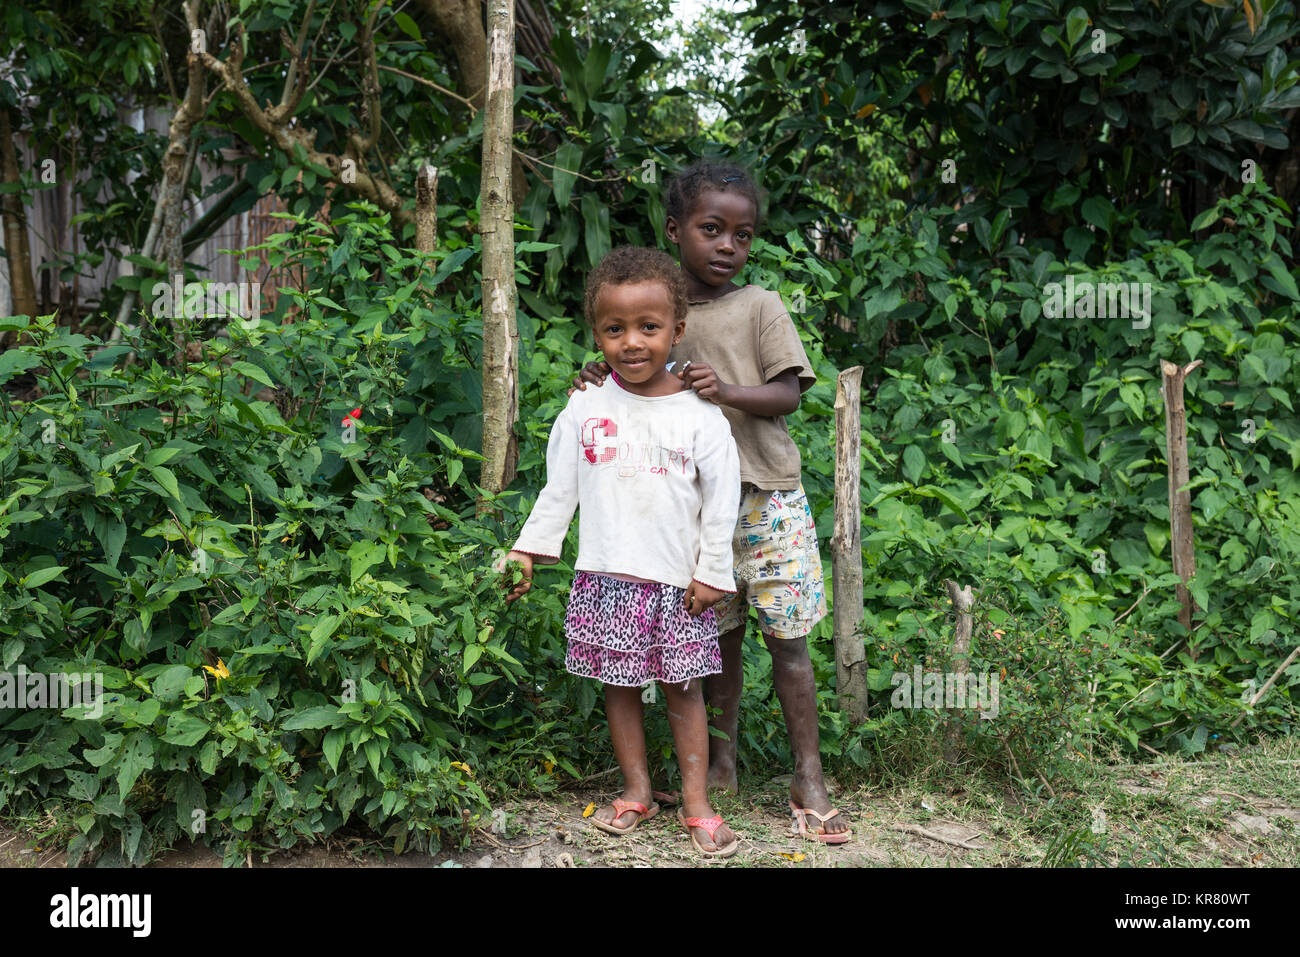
800 826
622 807
710 825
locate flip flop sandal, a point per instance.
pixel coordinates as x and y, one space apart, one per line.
711 825
622 807
799 826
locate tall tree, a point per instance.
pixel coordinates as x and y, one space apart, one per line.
15 226
500 335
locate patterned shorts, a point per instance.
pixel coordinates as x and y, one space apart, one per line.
777 563
631 633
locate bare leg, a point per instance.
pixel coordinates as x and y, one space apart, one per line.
627 730
792 675
689 721
722 691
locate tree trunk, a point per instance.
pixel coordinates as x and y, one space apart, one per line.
461 22
23 289
176 158
351 168
176 173
1180 500
500 337
147 251
846 548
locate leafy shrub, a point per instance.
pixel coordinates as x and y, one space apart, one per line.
296 631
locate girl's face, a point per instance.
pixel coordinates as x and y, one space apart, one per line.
635 329
713 241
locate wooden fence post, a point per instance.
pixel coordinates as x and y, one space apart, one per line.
846 548
426 211
1180 500
963 628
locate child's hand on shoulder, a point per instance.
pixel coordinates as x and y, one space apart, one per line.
701 377
525 562
593 372
700 597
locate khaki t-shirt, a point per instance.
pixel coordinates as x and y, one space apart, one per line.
748 338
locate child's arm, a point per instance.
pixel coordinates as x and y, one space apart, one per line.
593 372
717 467
786 370
543 534
779 396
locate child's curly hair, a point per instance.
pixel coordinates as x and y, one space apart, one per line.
629 264
684 188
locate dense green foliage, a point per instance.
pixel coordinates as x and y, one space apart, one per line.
299 626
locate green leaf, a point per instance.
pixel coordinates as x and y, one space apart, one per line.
1206 218
1076 22
136 758
913 463
164 477
567 159
595 215
943 495
184 729
407 26
98 757
324 716
472 655
1098 211
364 555
374 751
12 649
1277 269
16 361
251 371
324 628
1131 395
161 455
38 578
332 747
170 682
147 712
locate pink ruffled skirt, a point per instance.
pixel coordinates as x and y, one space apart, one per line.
631 633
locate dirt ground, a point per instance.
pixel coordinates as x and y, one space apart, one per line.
1238 811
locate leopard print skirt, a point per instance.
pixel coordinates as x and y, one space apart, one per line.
631 633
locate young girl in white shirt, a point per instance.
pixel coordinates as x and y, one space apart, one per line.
654 473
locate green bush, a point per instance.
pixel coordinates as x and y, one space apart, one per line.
293 635
1025 455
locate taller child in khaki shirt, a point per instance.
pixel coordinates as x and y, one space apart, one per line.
744 354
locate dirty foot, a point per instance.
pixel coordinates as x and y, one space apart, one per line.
609 818
812 795
723 839
722 777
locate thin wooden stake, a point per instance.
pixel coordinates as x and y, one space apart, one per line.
426 211
1295 653
963 628
846 548
1180 500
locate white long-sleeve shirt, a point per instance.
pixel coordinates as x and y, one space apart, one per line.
658 482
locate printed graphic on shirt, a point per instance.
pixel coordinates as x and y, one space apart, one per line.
607 430
602 445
